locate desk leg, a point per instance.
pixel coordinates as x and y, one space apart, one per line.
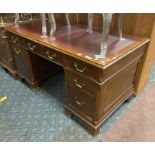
35 86
14 75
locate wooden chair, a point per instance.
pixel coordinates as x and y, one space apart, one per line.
22 17
107 17
53 25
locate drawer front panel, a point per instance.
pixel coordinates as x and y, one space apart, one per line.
45 52
51 55
82 83
81 67
32 46
81 102
16 39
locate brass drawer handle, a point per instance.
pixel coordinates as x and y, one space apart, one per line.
14 40
79 85
31 47
79 103
10 59
17 51
51 56
81 70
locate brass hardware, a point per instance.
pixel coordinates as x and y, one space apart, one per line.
81 70
51 56
78 103
79 85
10 59
14 40
17 51
31 47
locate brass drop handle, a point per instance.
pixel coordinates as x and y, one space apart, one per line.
79 85
17 51
14 40
79 103
81 70
31 47
51 56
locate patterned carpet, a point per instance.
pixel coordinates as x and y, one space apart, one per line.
39 116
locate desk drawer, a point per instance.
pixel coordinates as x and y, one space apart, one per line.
83 84
32 46
45 52
51 54
16 39
81 67
18 51
82 103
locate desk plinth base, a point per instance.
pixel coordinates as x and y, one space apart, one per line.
94 128
12 72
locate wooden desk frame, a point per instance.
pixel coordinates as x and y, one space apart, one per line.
89 82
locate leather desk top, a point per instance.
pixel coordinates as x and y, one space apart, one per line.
80 44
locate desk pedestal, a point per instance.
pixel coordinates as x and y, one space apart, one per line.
93 98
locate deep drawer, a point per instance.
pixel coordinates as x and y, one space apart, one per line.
82 103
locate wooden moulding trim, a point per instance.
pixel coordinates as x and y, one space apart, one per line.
78 115
6 67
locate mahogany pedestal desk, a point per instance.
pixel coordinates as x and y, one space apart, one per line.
94 88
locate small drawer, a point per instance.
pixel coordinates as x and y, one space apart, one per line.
16 39
45 52
52 55
82 103
18 51
81 67
32 46
82 83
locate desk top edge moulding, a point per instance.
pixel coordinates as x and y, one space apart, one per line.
95 63
105 47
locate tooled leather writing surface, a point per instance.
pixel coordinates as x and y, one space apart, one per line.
78 42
